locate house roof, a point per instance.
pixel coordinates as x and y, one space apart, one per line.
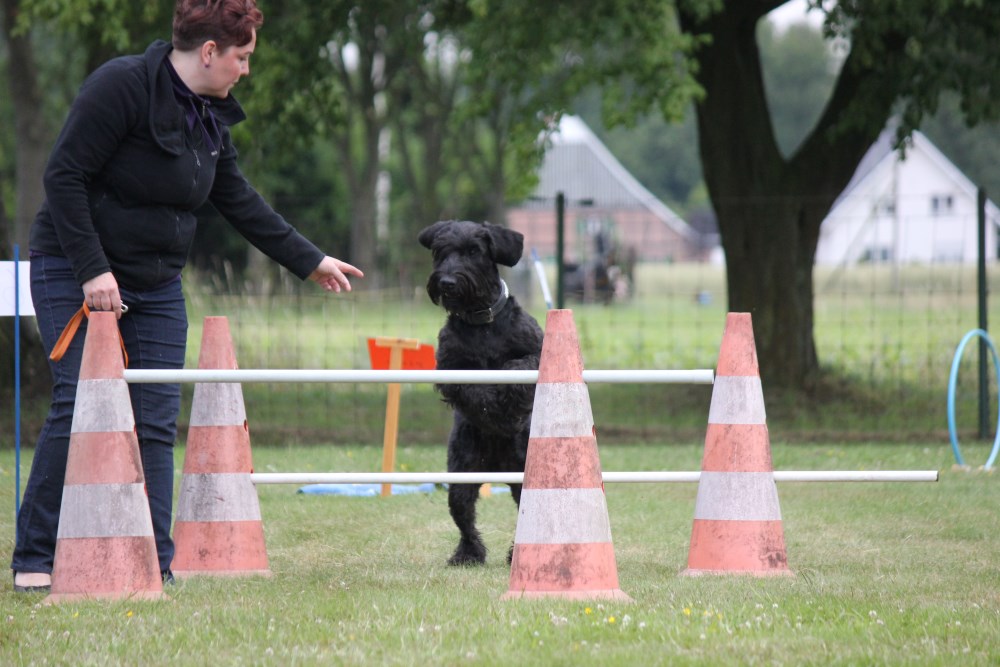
882 151
580 166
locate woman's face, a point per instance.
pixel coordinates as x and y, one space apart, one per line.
227 67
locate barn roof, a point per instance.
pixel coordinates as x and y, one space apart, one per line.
580 166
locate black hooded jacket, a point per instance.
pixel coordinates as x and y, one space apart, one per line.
127 173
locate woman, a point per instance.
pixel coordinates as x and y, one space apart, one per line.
145 144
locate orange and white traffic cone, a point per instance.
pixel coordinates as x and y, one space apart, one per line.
218 529
562 544
105 546
737 519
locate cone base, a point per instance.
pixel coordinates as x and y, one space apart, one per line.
690 572
102 567
737 546
56 598
610 594
188 574
219 547
564 567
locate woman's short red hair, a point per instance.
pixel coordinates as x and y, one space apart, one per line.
226 22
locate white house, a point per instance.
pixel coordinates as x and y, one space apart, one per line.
917 210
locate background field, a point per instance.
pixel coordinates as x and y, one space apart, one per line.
885 573
885 338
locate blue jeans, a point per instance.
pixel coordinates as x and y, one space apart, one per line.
155 335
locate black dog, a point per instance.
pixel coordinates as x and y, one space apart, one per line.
486 330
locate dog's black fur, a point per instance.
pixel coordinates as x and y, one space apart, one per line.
491 422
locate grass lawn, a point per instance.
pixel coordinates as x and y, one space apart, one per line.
886 573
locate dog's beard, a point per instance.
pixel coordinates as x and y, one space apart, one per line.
463 295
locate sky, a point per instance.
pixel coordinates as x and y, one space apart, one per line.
795 12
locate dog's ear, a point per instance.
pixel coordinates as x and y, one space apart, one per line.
506 244
427 234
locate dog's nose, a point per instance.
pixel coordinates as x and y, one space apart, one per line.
447 283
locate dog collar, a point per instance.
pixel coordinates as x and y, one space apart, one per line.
489 314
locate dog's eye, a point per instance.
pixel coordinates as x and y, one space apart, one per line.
472 251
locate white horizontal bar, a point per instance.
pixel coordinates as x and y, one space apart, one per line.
518 478
856 476
701 376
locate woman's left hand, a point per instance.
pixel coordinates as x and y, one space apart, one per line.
331 274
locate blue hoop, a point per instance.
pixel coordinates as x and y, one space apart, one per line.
952 379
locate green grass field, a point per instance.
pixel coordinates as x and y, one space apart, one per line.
885 573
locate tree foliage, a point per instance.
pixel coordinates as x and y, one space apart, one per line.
445 100
902 57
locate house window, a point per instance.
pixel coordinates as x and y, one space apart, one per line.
875 255
942 204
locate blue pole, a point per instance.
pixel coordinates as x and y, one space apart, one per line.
17 389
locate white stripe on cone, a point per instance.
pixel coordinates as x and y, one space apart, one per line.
218 405
543 517
102 406
561 410
737 399
123 511
217 497
737 496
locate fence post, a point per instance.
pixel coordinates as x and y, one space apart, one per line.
984 392
560 249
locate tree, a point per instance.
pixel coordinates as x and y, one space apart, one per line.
902 57
973 150
529 61
327 69
49 47
30 129
436 94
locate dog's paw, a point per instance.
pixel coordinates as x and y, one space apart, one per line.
468 554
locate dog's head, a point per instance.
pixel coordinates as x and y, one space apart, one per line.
465 276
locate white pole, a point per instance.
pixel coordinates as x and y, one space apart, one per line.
543 281
518 478
701 376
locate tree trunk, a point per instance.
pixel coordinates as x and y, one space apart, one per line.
769 208
364 248
361 166
769 249
30 131
31 140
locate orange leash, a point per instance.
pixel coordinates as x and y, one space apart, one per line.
66 337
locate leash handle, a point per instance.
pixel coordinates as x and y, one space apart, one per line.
66 337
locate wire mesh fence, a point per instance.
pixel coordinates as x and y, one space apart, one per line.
885 335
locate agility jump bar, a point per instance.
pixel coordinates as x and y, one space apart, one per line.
658 476
699 376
